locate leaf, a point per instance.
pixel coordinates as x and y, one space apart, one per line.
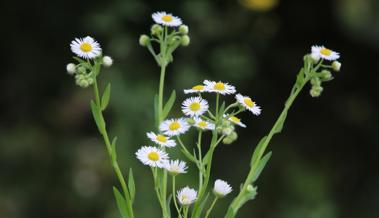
189 155
121 203
97 117
113 146
156 110
281 120
169 203
254 158
261 165
221 110
106 96
204 201
131 185
168 105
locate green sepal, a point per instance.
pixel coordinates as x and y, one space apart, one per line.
131 185
121 203
168 105
106 96
99 120
261 165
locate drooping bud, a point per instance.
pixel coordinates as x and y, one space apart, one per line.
144 40
156 29
185 40
316 91
183 29
336 65
107 61
325 75
71 68
315 81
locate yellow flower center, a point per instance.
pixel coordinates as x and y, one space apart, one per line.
154 156
219 86
202 124
249 102
235 119
167 18
184 198
326 51
86 47
195 106
161 138
198 88
174 126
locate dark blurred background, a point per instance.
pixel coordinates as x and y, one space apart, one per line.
53 163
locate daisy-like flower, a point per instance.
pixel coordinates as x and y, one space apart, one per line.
174 127
86 47
176 166
186 196
166 19
246 102
236 121
196 89
219 87
204 125
152 156
324 53
194 106
221 188
161 139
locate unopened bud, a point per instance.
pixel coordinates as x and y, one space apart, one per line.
316 91
191 121
156 29
185 40
183 29
336 65
228 130
107 61
326 75
315 57
315 81
144 40
71 68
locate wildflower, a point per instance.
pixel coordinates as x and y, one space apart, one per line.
236 121
166 19
152 156
186 196
107 61
86 47
195 89
156 29
161 139
221 188
183 29
175 167
247 103
324 53
219 87
174 127
194 106
336 65
204 125
71 68
144 40
185 40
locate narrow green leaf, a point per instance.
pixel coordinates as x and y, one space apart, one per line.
106 96
97 117
113 146
169 203
261 165
257 149
121 203
131 185
169 104
280 125
202 205
189 155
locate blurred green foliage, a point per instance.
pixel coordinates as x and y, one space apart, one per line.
53 163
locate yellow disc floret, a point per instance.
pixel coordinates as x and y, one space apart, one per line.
202 124
325 51
195 106
86 47
249 102
174 126
219 86
161 138
235 119
153 156
167 18
198 88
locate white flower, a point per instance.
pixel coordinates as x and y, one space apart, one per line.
161 139
336 65
221 188
204 125
166 19
324 53
152 156
194 106
176 166
219 87
236 121
246 102
71 68
186 196
107 61
174 127
196 89
86 47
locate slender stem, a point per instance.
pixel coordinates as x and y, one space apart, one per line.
211 207
217 102
185 211
160 95
200 160
174 197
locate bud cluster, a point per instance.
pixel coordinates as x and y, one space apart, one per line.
227 129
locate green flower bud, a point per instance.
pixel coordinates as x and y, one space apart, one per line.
316 91
315 57
227 141
315 81
336 65
82 70
326 75
227 130
144 40
233 136
71 68
185 40
251 188
156 29
183 29
173 40
191 121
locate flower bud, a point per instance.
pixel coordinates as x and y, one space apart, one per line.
185 40
144 40
172 40
227 130
191 121
326 75
315 57
71 68
316 91
251 188
315 81
336 65
107 61
156 29
183 29
82 70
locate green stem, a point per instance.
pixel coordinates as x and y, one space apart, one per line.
217 102
211 207
174 197
200 160
160 95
